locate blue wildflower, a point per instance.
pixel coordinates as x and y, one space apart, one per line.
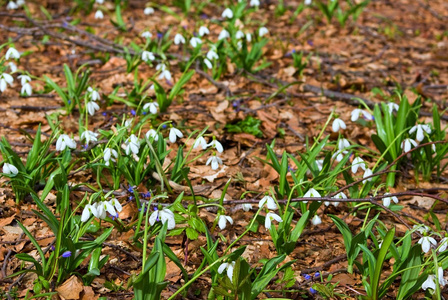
66 254
313 291
307 277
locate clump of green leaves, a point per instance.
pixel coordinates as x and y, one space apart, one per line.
249 125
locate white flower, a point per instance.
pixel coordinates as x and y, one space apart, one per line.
146 56
195 41
152 133
215 162
132 145
12 66
179 39
269 217
148 11
65 141
430 283
262 31
386 200
442 280
308 2
407 144
420 128
20 2
254 3
239 34
208 63
165 74
339 155
12 53
87 212
222 221
358 162
99 1
174 134
229 267
212 55
217 145
203 31
12 5
114 202
316 220
343 144
146 35
247 206
339 195
110 155
311 193
426 242
422 228
92 106
392 106
106 206
26 89
270 202
89 136
367 173
99 14
5 79
248 37
443 244
223 34
357 112
320 164
94 95
227 13
24 79
152 106
200 141
164 215
337 125
10 169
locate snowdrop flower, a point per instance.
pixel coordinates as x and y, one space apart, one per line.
94 95
211 55
386 200
254 3
99 1
312 193
152 106
114 202
146 56
308 2
5 79
195 41
407 144
367 173
442 280
208 63
423 229
269 201
65 141
99 14
262 31
357 112
443 244
164 215
146 35
339 155
104 207
420 128
229 267
392 106
224 34
87 212
89 136
203 31
132 145
430 283
12 66
12 53
179 39
152 133
269 217
200 141
92 106
320 164
222 221
426 242
358 162
227 13
20 2
148 11
316 220
110 155
12 5
174 134
24 79
10 169
239 45
339 195
248 37
165 74
215 161
343 143
26 89
216 144
337 125
247 206
239 35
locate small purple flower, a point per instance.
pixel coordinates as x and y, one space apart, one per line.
130 198
310 42
317 274
85 146
293 51
133 112
164 126
313 291
307 277
204 16
69 101
144 113
148 194
52 248
66 254
104 113
159 35
169 83
130 189
155 209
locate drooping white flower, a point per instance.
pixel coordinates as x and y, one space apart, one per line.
99 1
426 243
153 134
146 35
247 206
227 13
148 11
224 34
357 112
308 2
386 200
263 31
420 128
179 39
12 53
408 144
214 161
316 220
65 141
430 283
165 74
367 173
222 221
110 155
254 3
358 162
211 55
217 145
87 212
12 5
423 229
106 206
89 136
26 89
343 144
164 215
320 164
99 14
203 31
443 244
208 63
339 155
338 124
200 141
392 106
94 95
152 106
269 201
114 202
5 79
20 2
174 134
442 280
92 106
239 35
248 37
148 56
10 169
339 195
12 66
24 79
311 193
229 266
269 217
132 145
195 41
